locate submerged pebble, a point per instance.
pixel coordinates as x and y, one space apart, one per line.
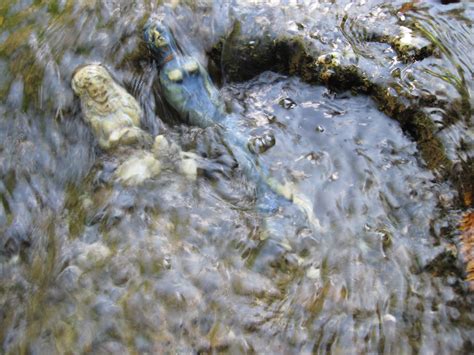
250 283
138 168
287 103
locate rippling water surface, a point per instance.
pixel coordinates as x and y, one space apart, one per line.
184 266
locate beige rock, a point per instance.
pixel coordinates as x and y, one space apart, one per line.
92 255
185 161
161 146
188 165
139 167
249 283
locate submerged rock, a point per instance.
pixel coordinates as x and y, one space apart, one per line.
185 162
245 52
261 144
251 283
138 168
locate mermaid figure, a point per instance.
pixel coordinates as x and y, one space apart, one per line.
187 87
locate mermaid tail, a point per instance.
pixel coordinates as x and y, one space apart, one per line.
189 90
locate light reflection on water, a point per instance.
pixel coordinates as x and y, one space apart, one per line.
184 266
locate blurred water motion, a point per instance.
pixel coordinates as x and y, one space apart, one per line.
178 266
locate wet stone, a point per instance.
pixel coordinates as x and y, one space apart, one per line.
287 103
188 165
262 143
137 169
92 255
111 347
104 307
69 277
122 271
250 283
144 311
178 292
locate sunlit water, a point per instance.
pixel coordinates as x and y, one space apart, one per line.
185 266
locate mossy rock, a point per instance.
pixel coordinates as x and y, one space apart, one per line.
243 56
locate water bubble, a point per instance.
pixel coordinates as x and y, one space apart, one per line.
334 176
287 103
262 143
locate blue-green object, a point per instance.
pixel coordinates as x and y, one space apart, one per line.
185 83
188 89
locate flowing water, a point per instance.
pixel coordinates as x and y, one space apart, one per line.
180 266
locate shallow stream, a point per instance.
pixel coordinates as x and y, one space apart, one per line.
180 266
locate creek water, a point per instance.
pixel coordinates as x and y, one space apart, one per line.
180 266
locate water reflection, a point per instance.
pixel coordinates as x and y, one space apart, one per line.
184 265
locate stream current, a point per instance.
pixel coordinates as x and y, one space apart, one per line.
180 266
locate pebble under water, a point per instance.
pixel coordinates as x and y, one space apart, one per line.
186 266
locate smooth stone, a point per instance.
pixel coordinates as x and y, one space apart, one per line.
137 169
92 255
188 166
249 283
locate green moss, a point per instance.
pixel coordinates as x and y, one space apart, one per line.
24 64
244 57
435 156
53 7
418 125
292 53
77 214
16 40
462 175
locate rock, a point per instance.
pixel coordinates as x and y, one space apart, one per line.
92 255
410 46
186 161
261 144
388 318
138 168
253 284
161 146
68 278
111 347
441 260
313 273
330 59
188 166
340 69
178 292
164 149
